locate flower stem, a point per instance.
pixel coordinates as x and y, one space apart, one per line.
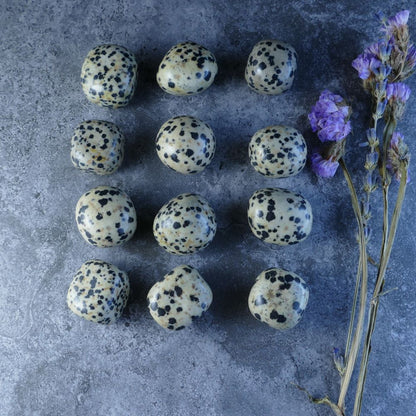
354 307
374 147
356 341
378 291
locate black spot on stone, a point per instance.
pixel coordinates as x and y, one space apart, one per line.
276 316
270 216
178 291
269 274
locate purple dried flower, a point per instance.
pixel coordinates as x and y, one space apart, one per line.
398 91
323 167
362 65
334 129
397 154
396 22
328 95
411 58
373 49
380 49
329 117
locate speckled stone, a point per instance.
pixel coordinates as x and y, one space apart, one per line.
271 67
278 151
180 298
279 216
97 146
98 292
109 76
106 216
278 298
187 69
185 224
185 144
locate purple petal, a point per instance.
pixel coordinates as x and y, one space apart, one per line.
362 65
398 91
328 95
411 57
334 129
396 139
396 22
322 167
400 19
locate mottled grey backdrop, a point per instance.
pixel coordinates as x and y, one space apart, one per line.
54 363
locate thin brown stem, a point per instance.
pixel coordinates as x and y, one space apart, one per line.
355 345
354 307
378 291
324 400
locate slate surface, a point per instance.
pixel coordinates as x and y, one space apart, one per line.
54 363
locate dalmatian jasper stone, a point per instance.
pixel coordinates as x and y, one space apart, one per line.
279 216
278 298
185 144
106 216
185 224
98 292
278 151
187 69
271 67
97 146
180 298
109 76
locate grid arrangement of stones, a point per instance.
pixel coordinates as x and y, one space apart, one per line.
284 308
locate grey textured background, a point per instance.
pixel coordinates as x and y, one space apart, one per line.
54 363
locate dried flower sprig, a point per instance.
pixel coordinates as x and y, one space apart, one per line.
383 66
329 118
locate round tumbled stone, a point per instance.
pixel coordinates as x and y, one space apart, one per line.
98 292
278 298
185 144
279 216
187 69
278 151
109 76
180 298
271 67
97 146
185 224
105 216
